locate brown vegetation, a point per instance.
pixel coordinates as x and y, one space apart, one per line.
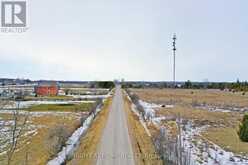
33 149
143 148
189 96
87 151
222 126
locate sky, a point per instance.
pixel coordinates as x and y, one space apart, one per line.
130 39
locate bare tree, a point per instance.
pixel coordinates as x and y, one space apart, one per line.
16 131
135 99
172 150
96 105
56 139
12 129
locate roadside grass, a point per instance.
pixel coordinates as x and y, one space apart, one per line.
189 96
87 150
227 138
81 107
33 148
144 151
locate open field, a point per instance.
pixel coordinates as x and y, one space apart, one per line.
193 96
51 122
79 107
227 138
49 98
33 144
86 91
222 127
205 131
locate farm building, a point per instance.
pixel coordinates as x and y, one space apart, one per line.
46 90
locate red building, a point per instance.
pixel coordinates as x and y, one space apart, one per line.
46 90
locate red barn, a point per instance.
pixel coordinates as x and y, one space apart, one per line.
46 90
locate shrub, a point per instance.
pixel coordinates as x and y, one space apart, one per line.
56 139
243 130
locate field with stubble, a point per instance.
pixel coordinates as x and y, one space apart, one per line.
193 96
205 118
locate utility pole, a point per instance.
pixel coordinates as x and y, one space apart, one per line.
174 59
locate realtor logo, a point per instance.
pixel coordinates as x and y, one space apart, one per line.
13 14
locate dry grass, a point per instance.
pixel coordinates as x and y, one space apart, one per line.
36 151
227 138
86 152
143 148
189 96
202 117
81 107
222 126
222 131
48 98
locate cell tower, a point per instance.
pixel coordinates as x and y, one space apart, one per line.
174 59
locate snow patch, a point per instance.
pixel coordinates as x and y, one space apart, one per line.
149 108
134 109
204 152
73 141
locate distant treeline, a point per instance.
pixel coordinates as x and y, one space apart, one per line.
105 84
234 86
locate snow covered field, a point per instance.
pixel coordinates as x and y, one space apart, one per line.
73 141
26 104
90 96
222 109
39 124
6 133
201 150
204 152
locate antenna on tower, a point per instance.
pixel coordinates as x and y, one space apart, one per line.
174 59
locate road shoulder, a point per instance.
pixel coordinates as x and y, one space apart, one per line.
144 151
86 153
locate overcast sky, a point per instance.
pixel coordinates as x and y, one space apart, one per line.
107 39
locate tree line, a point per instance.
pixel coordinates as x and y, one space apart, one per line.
234 86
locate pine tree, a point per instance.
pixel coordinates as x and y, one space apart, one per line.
243 131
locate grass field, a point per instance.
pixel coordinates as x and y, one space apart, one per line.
227 138
190 96
49 98
202 117
86 91
222 127
33 147
80 107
